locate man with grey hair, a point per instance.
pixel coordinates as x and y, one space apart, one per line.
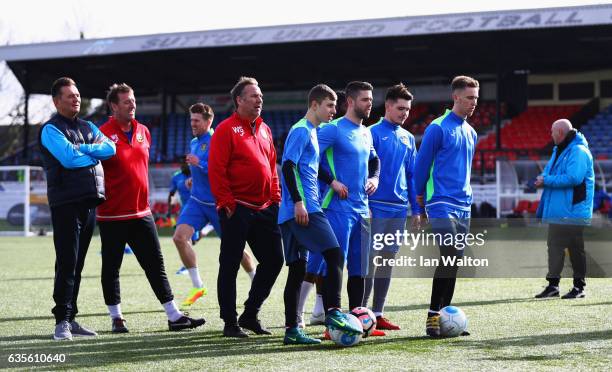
242 168
566 205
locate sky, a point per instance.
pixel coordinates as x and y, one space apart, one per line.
32 21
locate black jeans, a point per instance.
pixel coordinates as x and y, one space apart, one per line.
559 238
259 229
141 235
73 225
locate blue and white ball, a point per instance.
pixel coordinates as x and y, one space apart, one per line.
343 338
452 321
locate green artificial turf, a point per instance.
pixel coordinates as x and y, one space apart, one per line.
510 330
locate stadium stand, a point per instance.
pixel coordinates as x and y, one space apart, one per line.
598 132
525 135
530 130
422 114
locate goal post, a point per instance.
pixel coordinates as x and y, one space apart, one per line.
24 209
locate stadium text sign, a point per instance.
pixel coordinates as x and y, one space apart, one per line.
487 21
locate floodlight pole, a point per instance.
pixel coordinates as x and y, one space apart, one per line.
26 121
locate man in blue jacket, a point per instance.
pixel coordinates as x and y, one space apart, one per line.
442 181
567 206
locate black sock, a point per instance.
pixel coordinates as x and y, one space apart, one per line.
291 295
438 290
450 290
355 288
332 283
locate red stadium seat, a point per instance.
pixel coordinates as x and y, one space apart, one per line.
522 206
533 207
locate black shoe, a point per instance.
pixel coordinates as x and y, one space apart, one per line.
548 292
465 333
234 331
254 325
574 293
119 326
432 326
185 322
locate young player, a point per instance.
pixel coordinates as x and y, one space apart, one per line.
200 208
303 225
352 161
314 272
396 149
442 180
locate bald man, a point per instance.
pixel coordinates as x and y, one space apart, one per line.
567 206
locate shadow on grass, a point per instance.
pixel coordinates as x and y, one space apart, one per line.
593 304
51 278
536 358
459 304
80 316
537 340
182 346
163 347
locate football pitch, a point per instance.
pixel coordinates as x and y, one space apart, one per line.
510 330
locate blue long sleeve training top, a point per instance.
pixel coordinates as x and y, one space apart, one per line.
396 149
444 162
301 148
68 155
200 185
347 148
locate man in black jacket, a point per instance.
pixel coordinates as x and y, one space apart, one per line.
71 152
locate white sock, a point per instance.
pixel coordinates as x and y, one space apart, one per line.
376 314
251 274
206 230
318 307
434 311
115 311
194 273
304 292
172 312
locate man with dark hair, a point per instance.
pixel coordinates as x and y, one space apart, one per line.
125 217
442 181
315 267
396 149
303 225
242 163
71 152
340 104
351 160
567 206
200 207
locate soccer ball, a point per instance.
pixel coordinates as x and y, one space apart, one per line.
343 338
367 319
452 321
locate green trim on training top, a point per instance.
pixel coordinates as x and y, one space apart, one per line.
302 123
430 182
329 153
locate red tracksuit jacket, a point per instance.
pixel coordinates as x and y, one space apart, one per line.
126 175
242 164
